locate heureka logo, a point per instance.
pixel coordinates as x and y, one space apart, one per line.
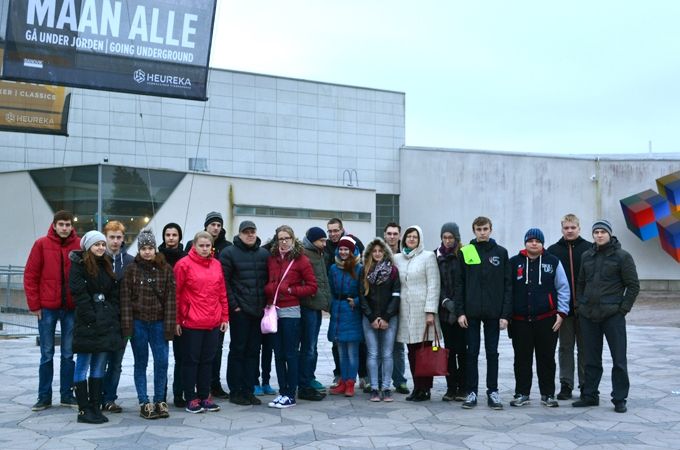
158 79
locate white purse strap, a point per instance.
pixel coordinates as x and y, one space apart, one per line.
276 294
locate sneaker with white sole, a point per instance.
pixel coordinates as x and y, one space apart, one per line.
494 400
275 402
549 401
286 402
194 406
520 400
470 401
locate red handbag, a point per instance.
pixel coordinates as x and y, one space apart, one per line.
432 361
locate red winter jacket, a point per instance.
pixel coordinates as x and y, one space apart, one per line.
300 278
48 264
201 293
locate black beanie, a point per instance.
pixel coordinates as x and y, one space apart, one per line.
176 227
213 216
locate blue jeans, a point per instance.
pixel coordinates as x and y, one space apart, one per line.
311 324
145 335
399 367
379 348
114 364
46 328
349 360
95 362
287 352
491 334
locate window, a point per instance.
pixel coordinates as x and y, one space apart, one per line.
387 210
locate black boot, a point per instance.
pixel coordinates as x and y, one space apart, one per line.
415 393
85 413
96 398
565 392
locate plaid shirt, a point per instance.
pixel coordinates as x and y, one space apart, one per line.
148 293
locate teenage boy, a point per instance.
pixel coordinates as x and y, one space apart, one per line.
540 301
115 248
569 250
483 296
49 299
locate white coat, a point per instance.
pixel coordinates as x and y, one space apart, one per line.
419 276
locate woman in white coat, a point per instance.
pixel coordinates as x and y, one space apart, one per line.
419 276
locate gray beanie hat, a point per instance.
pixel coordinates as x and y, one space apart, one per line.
90 238
213 216
145 238
603 224
450 227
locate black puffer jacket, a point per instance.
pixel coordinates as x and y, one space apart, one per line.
97 323
449 267
220 244
569 253
607 283
245 274
383 298
483 286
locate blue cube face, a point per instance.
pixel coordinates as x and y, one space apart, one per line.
673 192
646 232
661 207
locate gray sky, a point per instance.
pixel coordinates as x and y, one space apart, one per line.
530 76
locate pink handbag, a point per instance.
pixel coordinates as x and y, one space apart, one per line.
270 321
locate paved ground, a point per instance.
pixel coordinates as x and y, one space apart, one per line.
653 419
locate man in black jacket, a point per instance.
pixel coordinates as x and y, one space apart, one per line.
606 289
245 274
569 250
483 295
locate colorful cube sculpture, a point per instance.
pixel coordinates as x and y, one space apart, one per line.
642 211
669 235
669 187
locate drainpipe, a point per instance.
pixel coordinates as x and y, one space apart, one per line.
598 190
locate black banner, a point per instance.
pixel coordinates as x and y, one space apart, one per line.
152 47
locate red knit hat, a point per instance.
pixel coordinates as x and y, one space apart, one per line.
348 242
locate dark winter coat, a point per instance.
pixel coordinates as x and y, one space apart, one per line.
382 300
569 254
121 262
245 273
97 323
322 299
449 268
345 323
172 255
484 288
607 283
148 293
46 276
539 287
300 279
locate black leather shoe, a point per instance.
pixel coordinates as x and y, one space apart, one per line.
254 400
218 392
565 392
585 402
421 396
239 399
620 407
310 394
415 393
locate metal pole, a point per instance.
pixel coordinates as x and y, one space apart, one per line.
8 296
100 225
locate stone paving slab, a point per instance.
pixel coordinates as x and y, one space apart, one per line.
652 421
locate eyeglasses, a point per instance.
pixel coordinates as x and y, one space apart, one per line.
284 239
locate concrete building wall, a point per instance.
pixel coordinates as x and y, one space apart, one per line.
251 126
522 191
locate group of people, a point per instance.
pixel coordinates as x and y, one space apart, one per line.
386 300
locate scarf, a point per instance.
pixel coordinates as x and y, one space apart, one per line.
446 251
380 273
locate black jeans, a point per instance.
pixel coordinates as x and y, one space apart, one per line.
197 362
473 339
454 340
529 338
244 352
614 329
